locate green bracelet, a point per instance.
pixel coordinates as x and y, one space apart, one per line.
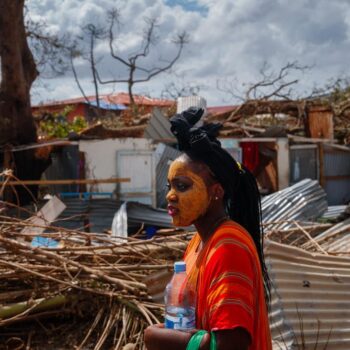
196 340
212 341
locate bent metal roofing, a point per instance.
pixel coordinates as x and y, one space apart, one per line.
310 305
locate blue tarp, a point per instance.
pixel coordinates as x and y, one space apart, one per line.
47 242
109 106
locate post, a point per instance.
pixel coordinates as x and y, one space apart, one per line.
321 164
282 163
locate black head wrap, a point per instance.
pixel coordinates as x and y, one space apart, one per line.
201 144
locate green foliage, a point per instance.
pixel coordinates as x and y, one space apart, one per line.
57 125
340 91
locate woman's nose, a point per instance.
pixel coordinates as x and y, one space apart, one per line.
171 196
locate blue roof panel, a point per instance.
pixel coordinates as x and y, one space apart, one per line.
109 106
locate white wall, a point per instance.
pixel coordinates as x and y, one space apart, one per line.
101 158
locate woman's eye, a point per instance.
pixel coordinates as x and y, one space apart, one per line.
168 187
182 187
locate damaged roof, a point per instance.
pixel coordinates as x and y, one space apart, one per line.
120 98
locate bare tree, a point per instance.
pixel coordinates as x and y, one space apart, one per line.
266 94
50 51
270 84
136 72
179 87
94 33
74 53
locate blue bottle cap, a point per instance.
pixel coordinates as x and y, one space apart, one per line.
180 266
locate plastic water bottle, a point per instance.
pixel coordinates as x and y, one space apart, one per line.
179 301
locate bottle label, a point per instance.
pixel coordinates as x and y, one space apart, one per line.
179 322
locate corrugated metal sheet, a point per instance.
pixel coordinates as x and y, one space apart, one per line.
336 164
186 102
335 239
139 213
338 191
341 246
166 155
306 200
310 299
334 211
99 214
158 126
303 163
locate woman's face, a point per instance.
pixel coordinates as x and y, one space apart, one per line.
188 197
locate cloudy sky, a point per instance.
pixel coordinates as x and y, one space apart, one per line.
230 40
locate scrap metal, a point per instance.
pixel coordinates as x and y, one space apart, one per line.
304 201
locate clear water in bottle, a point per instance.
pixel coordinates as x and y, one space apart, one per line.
180 318
179 301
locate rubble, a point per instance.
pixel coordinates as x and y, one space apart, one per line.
91 280
103 290
310 306
304 201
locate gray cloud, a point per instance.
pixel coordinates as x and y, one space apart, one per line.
229 39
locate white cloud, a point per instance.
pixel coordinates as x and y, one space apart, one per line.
229 38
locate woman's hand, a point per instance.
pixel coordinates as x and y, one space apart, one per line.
159 338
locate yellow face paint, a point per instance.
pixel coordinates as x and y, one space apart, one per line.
188 195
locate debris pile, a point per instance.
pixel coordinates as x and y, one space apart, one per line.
73 289
308 257
87 280
304 201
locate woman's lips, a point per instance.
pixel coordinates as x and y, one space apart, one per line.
172 211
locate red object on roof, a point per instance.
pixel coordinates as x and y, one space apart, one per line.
119 98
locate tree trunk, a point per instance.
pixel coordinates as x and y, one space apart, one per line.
18 72
130 86
131 96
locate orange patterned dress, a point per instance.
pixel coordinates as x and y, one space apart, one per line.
227 277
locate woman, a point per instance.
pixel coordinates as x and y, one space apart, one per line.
225 261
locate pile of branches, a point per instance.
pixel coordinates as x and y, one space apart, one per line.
88 292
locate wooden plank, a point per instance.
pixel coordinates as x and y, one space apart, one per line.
258 139
337 177
43 144
321 123
66 182
309 139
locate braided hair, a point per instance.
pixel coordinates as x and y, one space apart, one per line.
242 197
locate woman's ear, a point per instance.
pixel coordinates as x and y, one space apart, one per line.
217 192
